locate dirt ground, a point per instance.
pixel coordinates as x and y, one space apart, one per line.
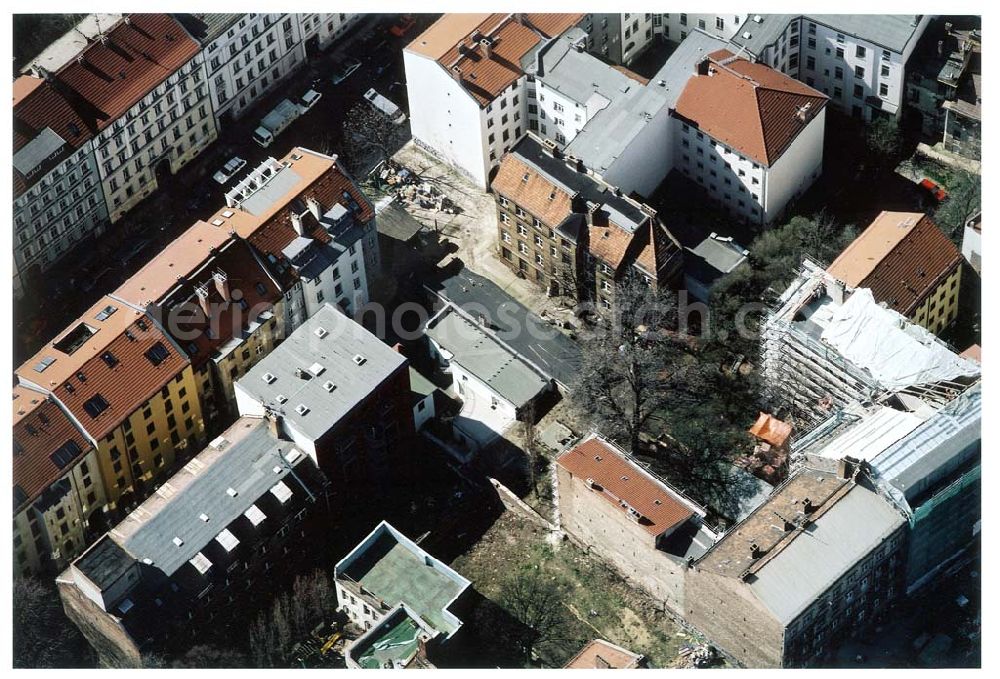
597 601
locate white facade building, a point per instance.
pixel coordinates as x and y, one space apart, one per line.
859 61
677 27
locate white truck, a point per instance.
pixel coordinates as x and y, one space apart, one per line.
384 106
275 122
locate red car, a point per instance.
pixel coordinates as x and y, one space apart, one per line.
403 26
931 187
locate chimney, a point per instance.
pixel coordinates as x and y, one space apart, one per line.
947 27
807 506
274 424
592 209
701 67
315 208
487 46
202 292
222 284
550 148
521 19
297 224
835 290
755 551
847 467
940 48
456 73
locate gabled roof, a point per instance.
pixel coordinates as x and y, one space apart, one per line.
625 485
46 443
901 257
609 243
449 42
548 200
750 107
657 247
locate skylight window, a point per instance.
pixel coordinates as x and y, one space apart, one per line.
321 332
201 563
228 541
178 542
302 409
109 359
65 454
95 405
269 378
157 354
281 398
282 492
316 369
255 515
329 386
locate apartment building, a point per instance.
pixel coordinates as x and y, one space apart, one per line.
924 458
320 30
95 115
466 84
859 61
620 38
821 560
237 518
749 135
130 388
572 234
388 569
306 217
246 56
677 27
909 265
339 393
58 489
58 199
824 346
218 301
972 242
621 512
147 74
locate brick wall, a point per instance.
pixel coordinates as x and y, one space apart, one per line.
592 520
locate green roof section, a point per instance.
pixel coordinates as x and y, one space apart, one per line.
395 570
394 642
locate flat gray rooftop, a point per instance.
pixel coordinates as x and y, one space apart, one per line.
71 43
485 358
830 546
289 371
278 187
246 463
34 153
104 562
891 31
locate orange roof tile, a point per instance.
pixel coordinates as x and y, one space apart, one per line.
620 480
601 655
771 429
40 429
750 107
975 353
609 243
902 257
449 42
550 203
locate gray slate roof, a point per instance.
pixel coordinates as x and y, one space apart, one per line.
206 27
335 352
34 153
892 31
485 358
246 465
821 554
104 562
278 187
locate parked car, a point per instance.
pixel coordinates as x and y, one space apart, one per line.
308 100
403 26
234 165
342 71
934 190
384 106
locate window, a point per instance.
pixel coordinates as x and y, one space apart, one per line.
883 90
860 52
885 70
859 91
859 71
719 23
95 405
157 353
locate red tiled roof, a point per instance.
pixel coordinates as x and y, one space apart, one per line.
658 248
621 481
243 275
40 428
601 655
609 243
543 199
771 429
108 78
749 107
902 257
127 385
974 352
449 42
274 235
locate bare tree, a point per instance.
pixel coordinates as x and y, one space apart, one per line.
529 444
536 602
203 656
43 635
291 617
964 200
629 363
369 138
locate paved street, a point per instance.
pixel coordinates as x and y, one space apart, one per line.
98 267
